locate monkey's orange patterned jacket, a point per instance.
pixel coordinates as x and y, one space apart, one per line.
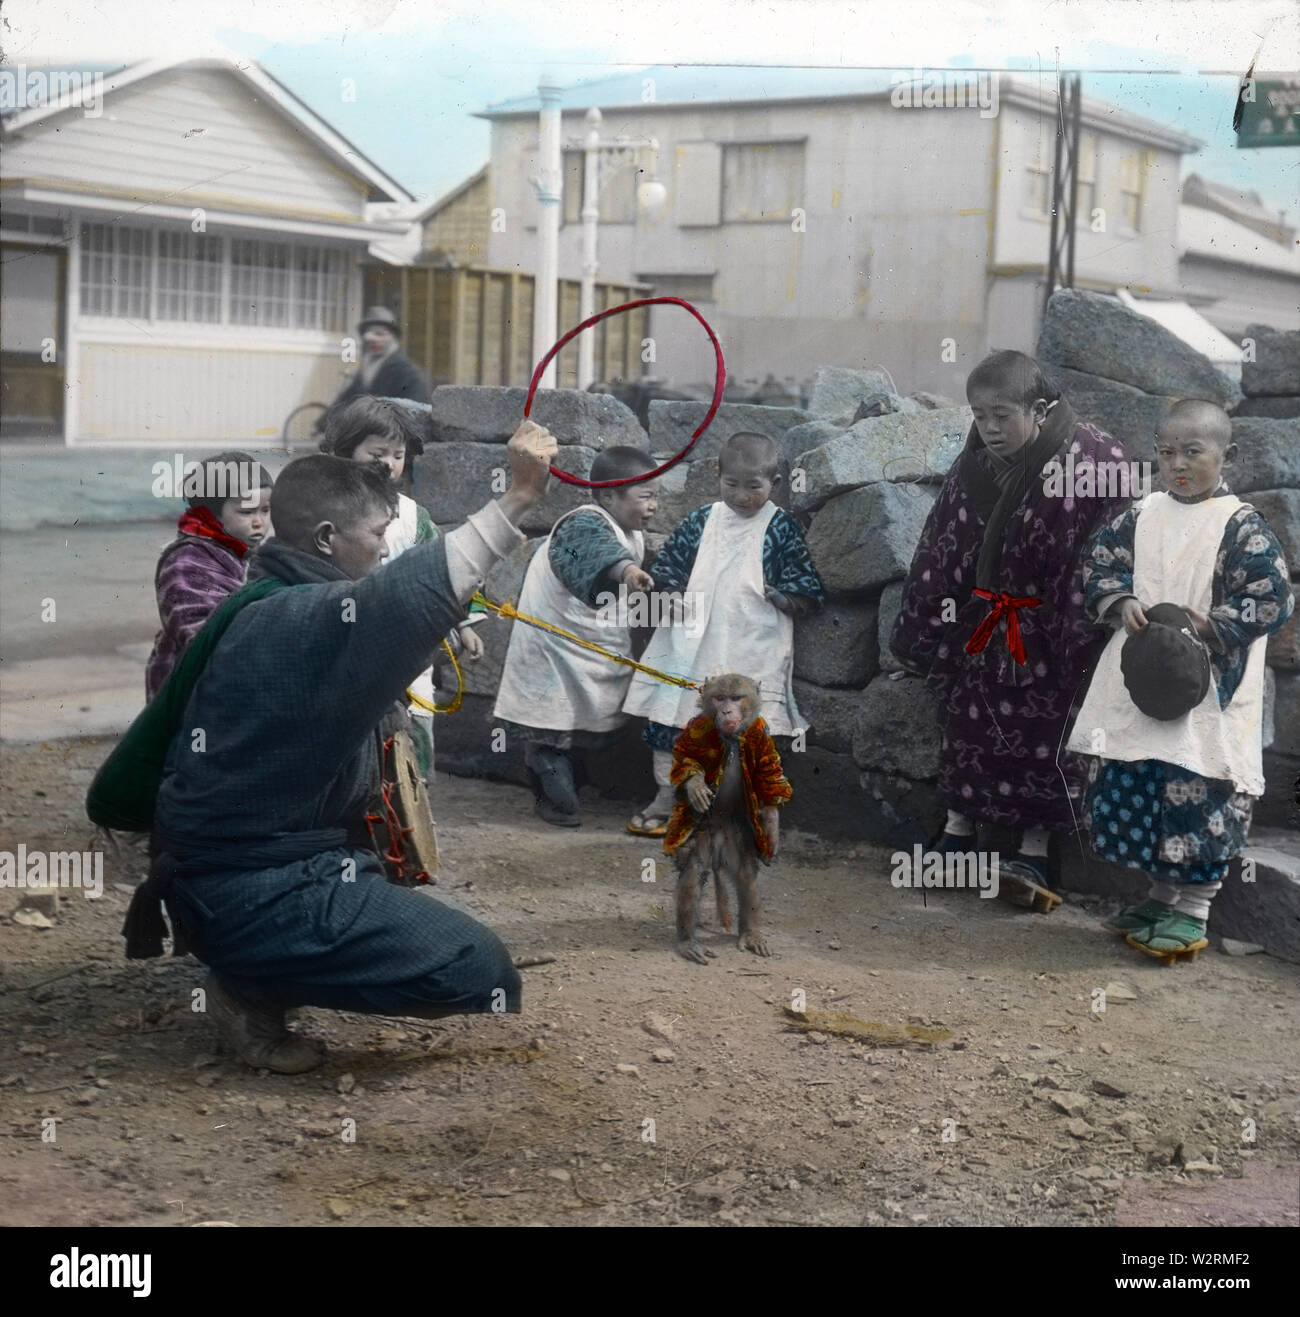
701 749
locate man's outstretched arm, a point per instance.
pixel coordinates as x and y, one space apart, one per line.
404 609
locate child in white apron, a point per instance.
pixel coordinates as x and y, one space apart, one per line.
746 573
555 696
1172 795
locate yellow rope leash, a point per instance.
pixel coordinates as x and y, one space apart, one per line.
456 700
509 611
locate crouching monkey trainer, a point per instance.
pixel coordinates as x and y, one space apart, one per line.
730 785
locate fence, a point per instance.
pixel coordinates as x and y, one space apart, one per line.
475 326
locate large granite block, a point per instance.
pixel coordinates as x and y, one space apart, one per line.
1101 336
864 539
897 729
905 446
1275 370
836 646
473 413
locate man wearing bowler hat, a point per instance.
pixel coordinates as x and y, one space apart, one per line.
385 370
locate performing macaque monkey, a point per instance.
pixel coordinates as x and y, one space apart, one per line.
730 787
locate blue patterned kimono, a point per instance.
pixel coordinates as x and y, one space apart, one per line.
1165 820
583 548
787 567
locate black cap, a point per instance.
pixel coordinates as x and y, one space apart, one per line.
1166 665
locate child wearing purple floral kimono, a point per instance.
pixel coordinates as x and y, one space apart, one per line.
230 515
1002 547
1173 787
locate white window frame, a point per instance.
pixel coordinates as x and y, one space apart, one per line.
781 215
188 263
1083 210
1142 159
609 177
336 276
1038 173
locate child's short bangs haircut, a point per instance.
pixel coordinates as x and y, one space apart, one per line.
415 420
228 475
347 427
620 463
325 488
750 452
1015 376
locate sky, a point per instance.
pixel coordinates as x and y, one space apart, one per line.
403 78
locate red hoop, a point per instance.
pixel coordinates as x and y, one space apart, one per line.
719 383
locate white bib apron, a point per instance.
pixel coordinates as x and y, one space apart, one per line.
740 630
1174 552
399 537
549 682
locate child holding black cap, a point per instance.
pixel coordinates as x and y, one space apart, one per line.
1173 715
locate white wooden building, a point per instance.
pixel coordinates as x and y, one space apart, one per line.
192 252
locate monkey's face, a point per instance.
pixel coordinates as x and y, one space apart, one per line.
728 713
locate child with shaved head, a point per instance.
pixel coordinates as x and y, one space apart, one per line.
1194 581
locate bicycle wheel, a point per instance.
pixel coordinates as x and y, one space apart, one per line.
299 427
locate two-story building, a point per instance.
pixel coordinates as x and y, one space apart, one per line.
883 227
182 257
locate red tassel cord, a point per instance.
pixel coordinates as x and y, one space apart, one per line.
396 854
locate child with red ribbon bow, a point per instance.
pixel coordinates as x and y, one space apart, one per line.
1001 549
228 514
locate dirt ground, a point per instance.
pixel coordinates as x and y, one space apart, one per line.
1037 1110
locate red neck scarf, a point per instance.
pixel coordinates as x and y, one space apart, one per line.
203 522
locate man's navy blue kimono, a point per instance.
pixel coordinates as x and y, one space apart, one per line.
267 782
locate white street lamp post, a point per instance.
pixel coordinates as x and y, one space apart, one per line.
590 221
650 197
548 184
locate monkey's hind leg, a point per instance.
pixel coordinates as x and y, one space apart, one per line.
750 939
689 866
722 860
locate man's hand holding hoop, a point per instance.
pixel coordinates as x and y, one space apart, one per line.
531 450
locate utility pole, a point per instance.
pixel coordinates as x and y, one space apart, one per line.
1065 187
590 219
